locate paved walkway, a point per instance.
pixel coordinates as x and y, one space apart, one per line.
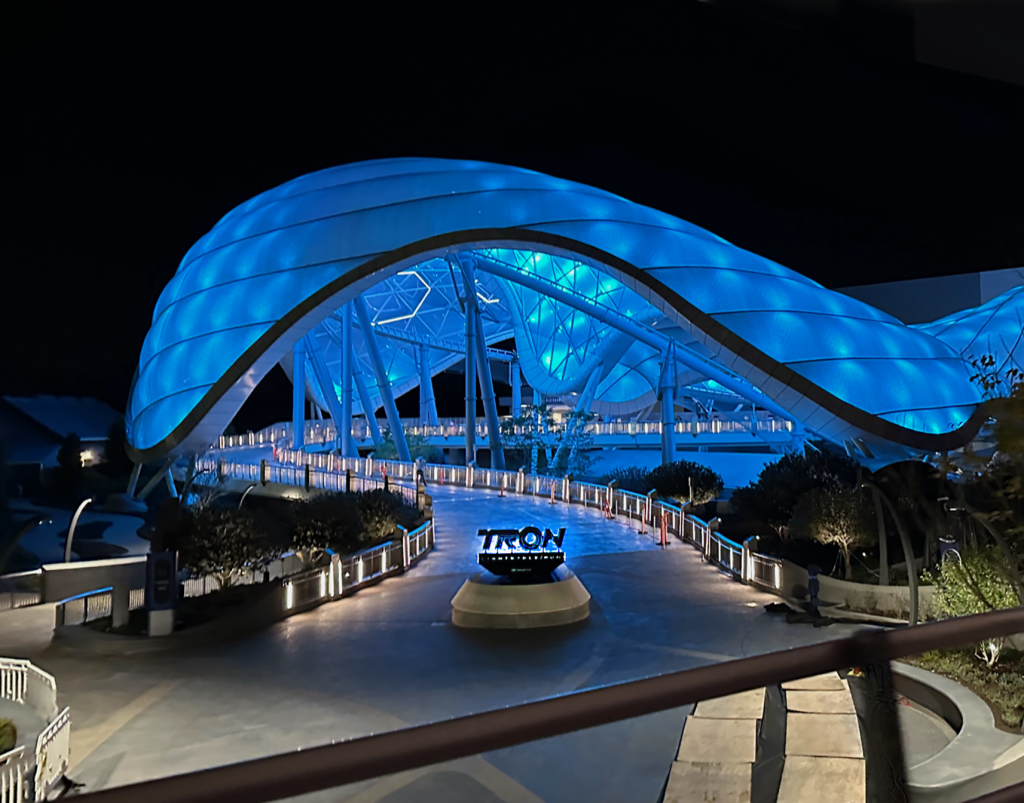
389 657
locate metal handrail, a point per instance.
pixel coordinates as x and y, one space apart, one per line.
310 770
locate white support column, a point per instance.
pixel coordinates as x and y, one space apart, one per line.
515 376
367 403
383 382
133 481
323 379
428 405
299 393
487 393
345 424
666 390
172 489
470 379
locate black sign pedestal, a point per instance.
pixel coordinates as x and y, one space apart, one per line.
161 591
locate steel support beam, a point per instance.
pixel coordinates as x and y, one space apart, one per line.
299 393
487 393
149 486
366 400
428 405
470 372
652 338
516 380
383 381
476 346
347 358
323 379
134 479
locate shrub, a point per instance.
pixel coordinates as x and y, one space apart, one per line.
976 583
672 480
346 522
629 478
8 735
419 446
379 512
1002 686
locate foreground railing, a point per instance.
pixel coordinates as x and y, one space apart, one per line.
310 770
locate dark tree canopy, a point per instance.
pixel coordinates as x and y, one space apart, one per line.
780 486
70 473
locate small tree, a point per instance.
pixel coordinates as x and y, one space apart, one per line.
977 582
221 543
419 446
837 516
782 484
532 433
69 472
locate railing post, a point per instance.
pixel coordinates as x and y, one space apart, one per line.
748 559
263 472
348 480
306 478
520 480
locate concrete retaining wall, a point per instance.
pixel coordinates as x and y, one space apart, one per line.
63 580
893 601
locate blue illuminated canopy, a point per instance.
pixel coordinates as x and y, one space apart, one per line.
581 279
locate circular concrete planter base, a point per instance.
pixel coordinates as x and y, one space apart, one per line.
486 604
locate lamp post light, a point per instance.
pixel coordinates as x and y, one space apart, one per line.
71 529
245 493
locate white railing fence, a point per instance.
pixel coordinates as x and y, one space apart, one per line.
15 766
21 589
324 432
24 683
350 572
53 753
92 605
336 473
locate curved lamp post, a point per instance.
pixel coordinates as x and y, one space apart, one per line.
245 493
71 529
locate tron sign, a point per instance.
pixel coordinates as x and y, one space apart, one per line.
527 539
530 553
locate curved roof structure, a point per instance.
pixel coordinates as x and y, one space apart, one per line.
994 329
581 278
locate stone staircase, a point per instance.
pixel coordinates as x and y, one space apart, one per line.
824 758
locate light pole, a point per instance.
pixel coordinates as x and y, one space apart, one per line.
71 529
245 493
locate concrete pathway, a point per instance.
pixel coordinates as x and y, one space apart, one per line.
389 657
718 750
824 754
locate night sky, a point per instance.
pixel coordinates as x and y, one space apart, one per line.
129 134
